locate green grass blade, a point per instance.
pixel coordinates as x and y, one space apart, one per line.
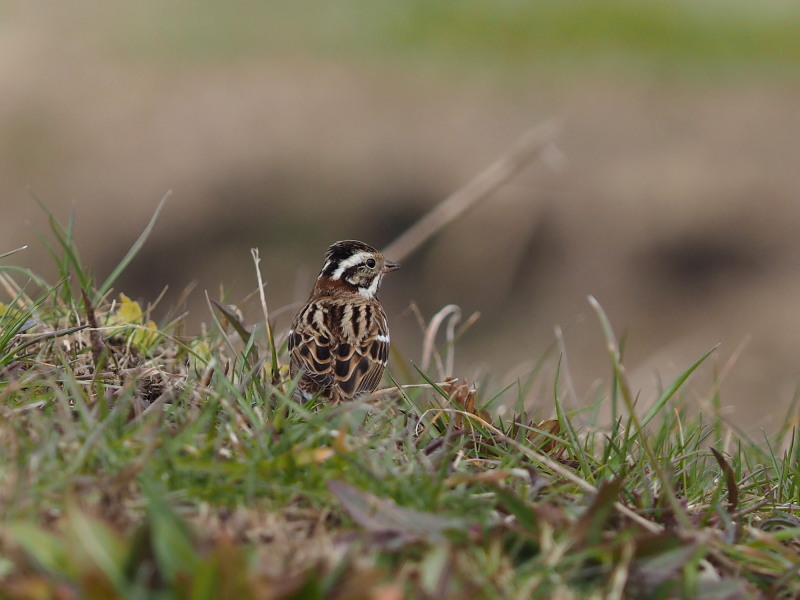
674 386
131 254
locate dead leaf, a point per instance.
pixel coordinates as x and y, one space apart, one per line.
730 480
463 396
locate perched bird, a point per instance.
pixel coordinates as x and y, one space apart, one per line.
339 341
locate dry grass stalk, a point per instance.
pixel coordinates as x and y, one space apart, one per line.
530 146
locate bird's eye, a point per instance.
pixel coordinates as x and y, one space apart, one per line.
371 263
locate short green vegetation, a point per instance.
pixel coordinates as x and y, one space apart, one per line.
137 461
510 36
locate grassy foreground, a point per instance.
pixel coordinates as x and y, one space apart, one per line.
139 462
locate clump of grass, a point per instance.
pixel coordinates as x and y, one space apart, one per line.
136 462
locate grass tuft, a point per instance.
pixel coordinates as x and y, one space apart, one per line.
139 462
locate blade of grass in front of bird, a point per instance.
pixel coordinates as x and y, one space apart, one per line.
409 402
131 254
274 364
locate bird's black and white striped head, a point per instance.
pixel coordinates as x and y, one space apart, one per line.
357 265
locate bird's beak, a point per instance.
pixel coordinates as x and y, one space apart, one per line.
390 265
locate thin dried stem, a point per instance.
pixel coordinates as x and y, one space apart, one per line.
555 467
410 386
529 147
452 314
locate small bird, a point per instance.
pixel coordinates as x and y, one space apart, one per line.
339 341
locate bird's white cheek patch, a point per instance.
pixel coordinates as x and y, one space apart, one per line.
369 292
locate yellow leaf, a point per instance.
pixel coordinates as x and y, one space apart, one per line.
200 354
129 311
129 318
145 336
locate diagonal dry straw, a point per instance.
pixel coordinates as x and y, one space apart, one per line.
528 147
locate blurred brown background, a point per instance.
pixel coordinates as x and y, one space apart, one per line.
673 196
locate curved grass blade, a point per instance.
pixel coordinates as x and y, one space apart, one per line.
670 391
126 260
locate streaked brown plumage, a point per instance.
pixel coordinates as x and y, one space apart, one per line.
339 341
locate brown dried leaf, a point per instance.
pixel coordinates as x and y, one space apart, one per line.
546 443
730 480
463 396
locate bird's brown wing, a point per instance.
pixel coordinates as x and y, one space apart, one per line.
359 362
339 347
310 352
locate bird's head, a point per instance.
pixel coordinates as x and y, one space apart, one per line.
357 265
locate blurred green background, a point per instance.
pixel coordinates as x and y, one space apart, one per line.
672 195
